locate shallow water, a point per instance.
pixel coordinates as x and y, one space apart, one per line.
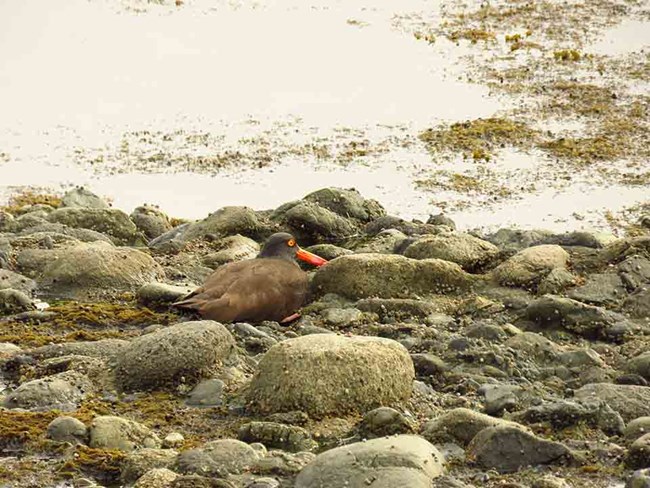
79 79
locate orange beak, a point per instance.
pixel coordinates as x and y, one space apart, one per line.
310 258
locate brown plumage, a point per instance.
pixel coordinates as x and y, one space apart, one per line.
269 287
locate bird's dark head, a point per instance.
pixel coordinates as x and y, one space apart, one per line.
284 246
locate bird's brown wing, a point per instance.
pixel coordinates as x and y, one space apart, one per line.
264 289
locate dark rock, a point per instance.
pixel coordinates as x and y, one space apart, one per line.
408 228
14 301
80 197
15 281
638 304
600 289
229 221
556 281
428 364
441 219
499 398
109 221
639 479
638 457
508 449
487 331
640 365
311 223
278 436
630 379
596 240
347 203
535 346
637 428
629 401
635 272
516 240
385 242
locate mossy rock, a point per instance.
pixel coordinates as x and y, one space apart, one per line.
109 221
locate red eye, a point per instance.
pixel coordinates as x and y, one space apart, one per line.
291 242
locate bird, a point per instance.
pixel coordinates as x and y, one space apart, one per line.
270 286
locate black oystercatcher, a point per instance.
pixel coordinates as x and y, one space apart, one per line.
270 287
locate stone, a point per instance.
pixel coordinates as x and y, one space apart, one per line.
103 348
386 242
535 346
179 354
516 239
67 429
638 304
441 219
347 203
231 248
324 374
328 251
585 320
173 439
81 197
413 228
530 266
398 308
499 398
638 456
112 222
386 462
311 223
600 289
217 458
229 221
93 269
15 281
556 281
550 481
155 294
196 481
630 401
427 364
14 302
150 221
581 358
365 275
156 478
139 462
508 449
464 249
110 432
208 393
640 365
461 425
277 436
8 349
62 391
635 272
282 463
384 421
637 428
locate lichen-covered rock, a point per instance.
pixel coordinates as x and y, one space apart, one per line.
640 365
109 221
103 348
464 249
390 276
600 289
384 421
577 317
229 221
638 304
97 268
180 354
347 203
110 432
529 266
637 428
324 374
278 436
80 197
62 391
67 429
638 456
150 221
631 401
156 478
14 301
461 425
139 462
507 449
386 242
311 223
217 458
403 460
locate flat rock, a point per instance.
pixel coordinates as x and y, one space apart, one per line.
630 401
529 266
229 221
62 391
386 462
324 374
600 289
638 304
390 276
110 432
464 249
507 449
97 268
179 354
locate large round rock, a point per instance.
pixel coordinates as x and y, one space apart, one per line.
530 266
387 462
463 249
181 353
96 268
325 374
390 276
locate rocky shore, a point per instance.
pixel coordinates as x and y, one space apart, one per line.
426 356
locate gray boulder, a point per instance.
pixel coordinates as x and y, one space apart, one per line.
112 222
634 271
630 401
386 462
180 354
62 391
638 304
384 421
208 393
600 289
231 248
386 242
507 449
324 374
82 198
637 428
15 281
347 203
390 276
67 429
460 425
138 462
217 458
529 266
14 301
640 365
97 268
466 250
150 221
229 221
310 223
109 432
